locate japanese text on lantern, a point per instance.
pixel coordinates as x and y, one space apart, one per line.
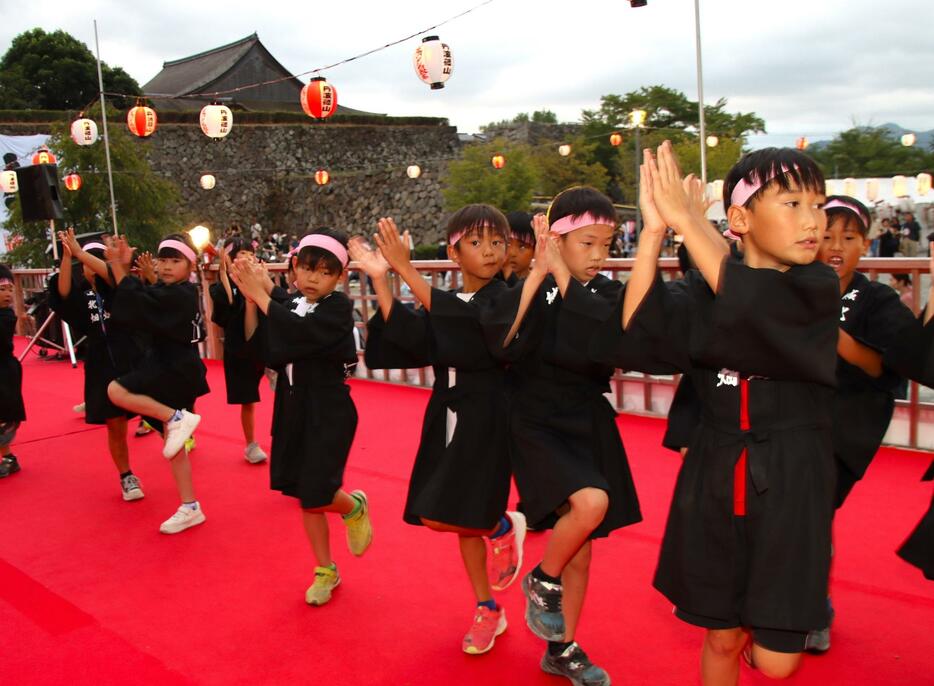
447 61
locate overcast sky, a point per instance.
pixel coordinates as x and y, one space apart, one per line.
808 67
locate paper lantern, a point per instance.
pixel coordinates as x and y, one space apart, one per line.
909 139
84 131
414 171
141 121
849 187
564 150
802 143
872 189
924 183
9 182
72 182
637 117
615 139
830 188
715 190
43 156
319 98
900 186
498 161
433 62
322 177
216 120
200 236
712 141
208 181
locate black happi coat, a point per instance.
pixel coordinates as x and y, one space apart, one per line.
918 549
311 345
775 334
460 479
243 369
683 416
563 429
11 372
171 370
112 347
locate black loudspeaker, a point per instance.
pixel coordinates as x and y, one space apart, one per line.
38 193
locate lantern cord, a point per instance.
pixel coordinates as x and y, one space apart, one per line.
319 69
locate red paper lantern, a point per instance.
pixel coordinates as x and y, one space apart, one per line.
72 182
615 139
319 98
498 161
43 156
141 121
802 143
322 177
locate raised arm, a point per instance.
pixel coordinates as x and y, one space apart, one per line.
95 264
374 265
533 282
395 249
64 272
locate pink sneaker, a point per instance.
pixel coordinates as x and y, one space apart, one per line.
506 560
487 625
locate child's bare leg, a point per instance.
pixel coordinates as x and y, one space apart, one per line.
316 528
141 404
588 508
116 441
181 472
720 656
473 552
247 413
773 664
574 579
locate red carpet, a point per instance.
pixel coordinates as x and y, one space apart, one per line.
91 593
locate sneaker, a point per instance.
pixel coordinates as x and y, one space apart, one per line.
179 431
818 641
359 527
142 428
131 487
183 518
543 608
326 580
254 454
79 408
506 560
574 665
8 465
487 625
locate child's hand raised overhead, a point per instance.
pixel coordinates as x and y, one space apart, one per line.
395 248
147 267
540 224
249 277
697 196
668 192
67 254
70 242
371 261
652 222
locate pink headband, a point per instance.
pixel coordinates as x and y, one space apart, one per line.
572 223
332 245
5 282
844 205
181 247
94 246
746 189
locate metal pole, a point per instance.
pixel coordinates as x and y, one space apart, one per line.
110 176
700 93
638 209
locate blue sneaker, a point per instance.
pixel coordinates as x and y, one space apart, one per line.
574 665
543 608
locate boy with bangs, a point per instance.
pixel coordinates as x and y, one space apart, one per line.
746 550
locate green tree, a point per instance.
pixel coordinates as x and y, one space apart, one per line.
544 117
147 204
870 151
55 71
555 173
473 179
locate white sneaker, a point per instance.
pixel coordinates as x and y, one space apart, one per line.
179 431
254 454
131 487
79 408
183 518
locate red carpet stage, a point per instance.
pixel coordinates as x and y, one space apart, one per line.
92 593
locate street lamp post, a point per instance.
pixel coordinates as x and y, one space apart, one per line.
637 119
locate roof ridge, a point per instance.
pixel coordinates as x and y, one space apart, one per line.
253 37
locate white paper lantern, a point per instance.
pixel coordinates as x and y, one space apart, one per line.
872 189
200 236
216 121
564 150
433 62
414 171
715 190
900 186
924 183
9 182
909 139
849 187
712 141
84 131
208 181
830 188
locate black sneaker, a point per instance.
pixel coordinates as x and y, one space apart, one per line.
574 665
131 487
543 608
8 465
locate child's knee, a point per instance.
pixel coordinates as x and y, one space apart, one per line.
590 503
114 391
776 665
726 642
433 525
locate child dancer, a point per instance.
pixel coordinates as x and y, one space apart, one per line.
747 543
242 371
460 479
569 461
309 340
521 248
111 347
171 375
12 411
